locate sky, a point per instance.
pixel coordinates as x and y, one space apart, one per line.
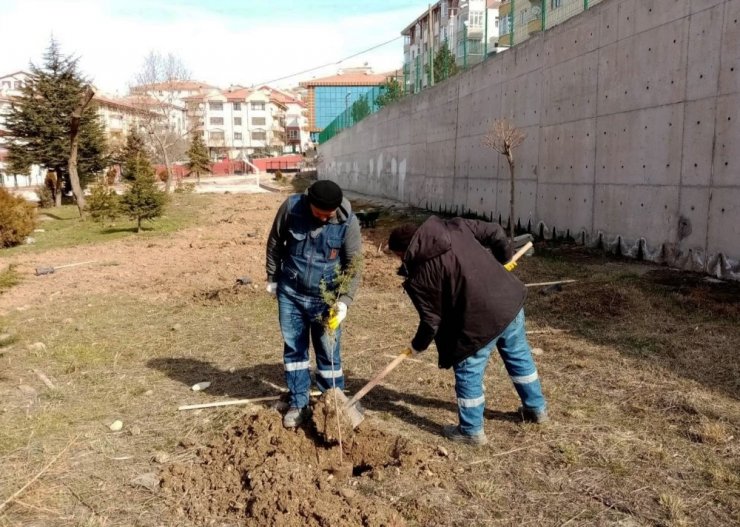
221 42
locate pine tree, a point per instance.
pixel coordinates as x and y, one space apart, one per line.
102 204
360 109
142 200
39 122
132 154
199 162
444 63
391 91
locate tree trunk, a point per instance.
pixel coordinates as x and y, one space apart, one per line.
510 159
57 190
168 184
74 178
138 224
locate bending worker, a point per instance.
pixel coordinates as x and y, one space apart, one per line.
468 303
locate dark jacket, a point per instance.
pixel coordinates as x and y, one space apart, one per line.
303 252
459 286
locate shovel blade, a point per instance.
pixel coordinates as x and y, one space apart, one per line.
351 410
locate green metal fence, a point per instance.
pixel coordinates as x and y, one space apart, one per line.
519 20
365 105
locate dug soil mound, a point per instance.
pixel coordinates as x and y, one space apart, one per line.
261 474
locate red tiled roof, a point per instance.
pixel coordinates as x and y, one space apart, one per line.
117 103
237 95
348 79
185 85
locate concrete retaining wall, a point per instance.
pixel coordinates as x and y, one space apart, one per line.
630 111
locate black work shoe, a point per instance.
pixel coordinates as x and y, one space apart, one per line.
452 432
295 416
534 416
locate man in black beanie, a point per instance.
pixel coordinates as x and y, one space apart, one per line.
314 236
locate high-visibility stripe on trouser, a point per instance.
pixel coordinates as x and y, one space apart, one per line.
295 366
469 390
471 403
517 356
328 358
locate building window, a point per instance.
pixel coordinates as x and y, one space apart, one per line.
555 3
217 136
257 106
237 121
293 134
258 121
237 106
6 84
237 136
215 106
259 136
216 120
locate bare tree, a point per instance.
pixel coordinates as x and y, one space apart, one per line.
156 94
85 97
504 137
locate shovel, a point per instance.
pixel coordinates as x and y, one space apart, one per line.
355 416
50 270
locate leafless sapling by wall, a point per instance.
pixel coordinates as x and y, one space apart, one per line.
504 137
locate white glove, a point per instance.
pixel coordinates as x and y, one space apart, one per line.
339 313
272 288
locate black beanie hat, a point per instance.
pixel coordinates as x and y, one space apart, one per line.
400 237
325 195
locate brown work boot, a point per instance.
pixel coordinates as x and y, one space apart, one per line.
453 433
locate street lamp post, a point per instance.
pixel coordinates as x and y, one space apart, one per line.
346 108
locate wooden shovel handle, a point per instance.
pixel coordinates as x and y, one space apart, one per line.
521 252
379 377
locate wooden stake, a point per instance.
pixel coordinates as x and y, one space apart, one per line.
557 282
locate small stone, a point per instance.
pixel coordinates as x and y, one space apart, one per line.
116 426
149 392
135 431
68 321
176 327
348 493
200 386
37 347
149 481
538 351
428 473
28 391
442 451
161 457
5 339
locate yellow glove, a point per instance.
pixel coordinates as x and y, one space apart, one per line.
510 266
336 315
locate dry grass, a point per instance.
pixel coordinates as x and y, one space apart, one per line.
642 384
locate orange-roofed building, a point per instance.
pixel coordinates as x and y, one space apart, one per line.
329 97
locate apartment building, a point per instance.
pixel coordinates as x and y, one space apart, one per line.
328 97
118 115
297 138
239 122
10 88
522 18
169 100
469 28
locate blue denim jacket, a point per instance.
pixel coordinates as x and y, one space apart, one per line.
312 249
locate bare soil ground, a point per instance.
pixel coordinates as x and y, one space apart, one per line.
639 363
